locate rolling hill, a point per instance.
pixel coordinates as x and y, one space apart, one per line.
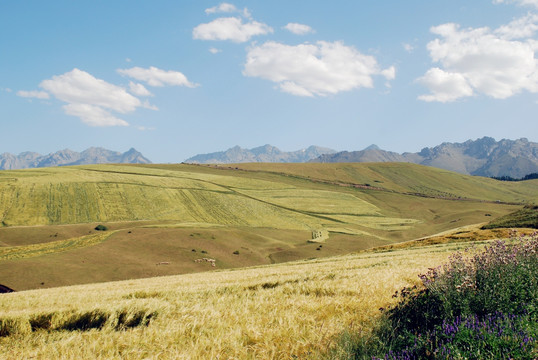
162 219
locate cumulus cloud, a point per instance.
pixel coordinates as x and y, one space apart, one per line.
214 50
33 94
94 100
147 105
227 8
230 28
523 27
317 69
91 99
80 87
157 77
444 86
223 7
93 115
389 73
298 29
139 89
519 2
498 63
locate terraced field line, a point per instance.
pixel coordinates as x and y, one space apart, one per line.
235 191
33 250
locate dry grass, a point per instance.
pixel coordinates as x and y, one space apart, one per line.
271 312
33 250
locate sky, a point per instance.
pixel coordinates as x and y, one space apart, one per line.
178 78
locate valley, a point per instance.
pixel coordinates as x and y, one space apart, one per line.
161 219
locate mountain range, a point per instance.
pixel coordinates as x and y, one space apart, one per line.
93 155
481 157
266 153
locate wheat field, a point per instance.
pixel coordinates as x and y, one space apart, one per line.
291 310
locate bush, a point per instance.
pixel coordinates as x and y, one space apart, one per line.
101 228
479 307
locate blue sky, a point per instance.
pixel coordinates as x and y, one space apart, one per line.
178 78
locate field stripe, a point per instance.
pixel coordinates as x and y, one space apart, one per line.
34 250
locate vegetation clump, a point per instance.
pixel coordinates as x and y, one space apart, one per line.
479 307
509 178
524 218
84 320
101 227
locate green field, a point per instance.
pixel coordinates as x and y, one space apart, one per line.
162 218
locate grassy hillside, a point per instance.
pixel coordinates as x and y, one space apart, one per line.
526 217
407 178
280 311
162 218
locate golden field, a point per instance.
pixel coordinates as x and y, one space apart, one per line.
269 312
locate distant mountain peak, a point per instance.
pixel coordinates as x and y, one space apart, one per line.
92 155
482 157
264 153
372 147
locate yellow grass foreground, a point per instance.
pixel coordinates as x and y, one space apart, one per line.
292 310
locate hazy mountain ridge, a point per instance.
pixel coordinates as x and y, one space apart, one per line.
93 155
266 153
482 157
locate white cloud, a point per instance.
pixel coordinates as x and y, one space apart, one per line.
230 28
521 28
497 63
214 50
79 87
318 69
139 89
93 115
298 29
389 73
147 105
222 8
227 8
444 86
91 99
519 2
94 100
157 77
33 94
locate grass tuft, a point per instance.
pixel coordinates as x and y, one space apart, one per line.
82 320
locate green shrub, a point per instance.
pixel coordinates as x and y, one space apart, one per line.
474 307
